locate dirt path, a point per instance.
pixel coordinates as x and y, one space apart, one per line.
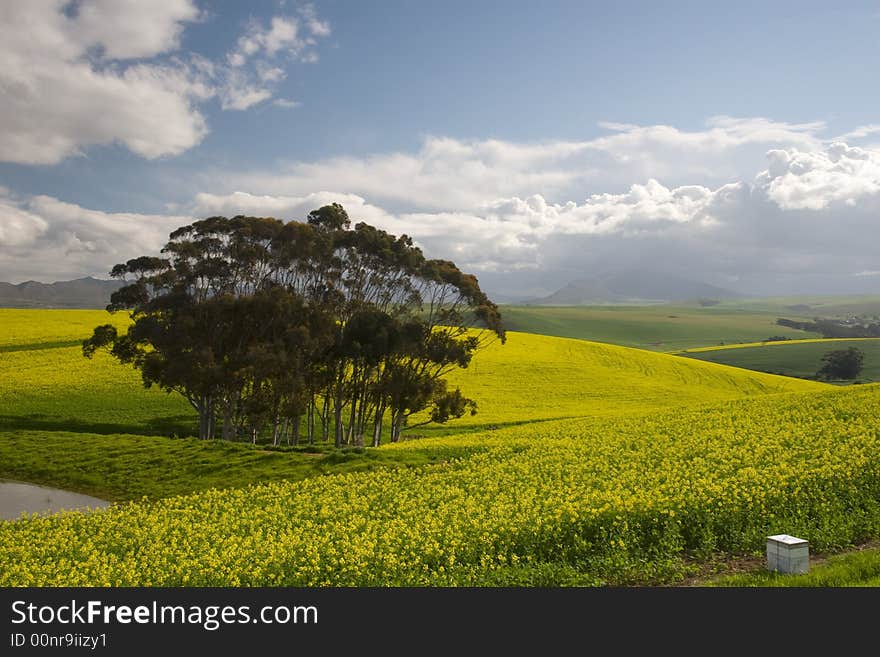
709 571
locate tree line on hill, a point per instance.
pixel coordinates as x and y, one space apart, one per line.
834 328
269 329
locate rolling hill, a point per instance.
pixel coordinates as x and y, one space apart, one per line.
620 466
51 386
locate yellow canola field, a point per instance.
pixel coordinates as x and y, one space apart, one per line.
607 501
38 327
532 377
537 377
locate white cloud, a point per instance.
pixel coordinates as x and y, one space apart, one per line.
452 174
859 133
100 72
18 226
814 180
801 213
252 73
127 29
721 133
43 238
315 26
281 207
810 211
57 99
505 233
241 91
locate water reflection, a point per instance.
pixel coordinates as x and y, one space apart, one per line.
17 498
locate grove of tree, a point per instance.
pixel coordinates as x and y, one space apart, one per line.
274 329
841 364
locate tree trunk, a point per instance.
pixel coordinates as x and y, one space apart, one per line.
361 419
325 420
338 426
211 420
228 429
296 422
377 426
202 409
396 425
351 418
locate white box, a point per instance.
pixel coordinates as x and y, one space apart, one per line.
788 554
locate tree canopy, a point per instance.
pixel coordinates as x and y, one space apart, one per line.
841 364
268 327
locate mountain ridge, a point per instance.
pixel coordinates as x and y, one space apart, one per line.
637 286
86 292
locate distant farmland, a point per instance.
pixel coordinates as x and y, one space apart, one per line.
798 358
666 328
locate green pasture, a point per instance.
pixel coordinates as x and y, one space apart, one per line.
797 359
657 328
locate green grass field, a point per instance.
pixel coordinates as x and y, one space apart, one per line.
799 359
588 464
860 568
665 328
122 467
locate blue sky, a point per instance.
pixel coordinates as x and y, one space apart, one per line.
532 143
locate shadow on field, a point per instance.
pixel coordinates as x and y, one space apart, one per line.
37 346
181 426
452 429
173 425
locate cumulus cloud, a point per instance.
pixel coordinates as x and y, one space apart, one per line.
814 180
801 217
453 174
280 207
806 214
54 88
19 226
506 233
47 239
127 29
99 72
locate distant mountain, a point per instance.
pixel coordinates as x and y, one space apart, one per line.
633 287
80 293
580 293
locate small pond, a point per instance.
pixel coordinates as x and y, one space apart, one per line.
17 498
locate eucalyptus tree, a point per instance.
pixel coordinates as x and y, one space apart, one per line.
264 326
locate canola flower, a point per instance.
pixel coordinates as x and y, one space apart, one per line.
612 500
